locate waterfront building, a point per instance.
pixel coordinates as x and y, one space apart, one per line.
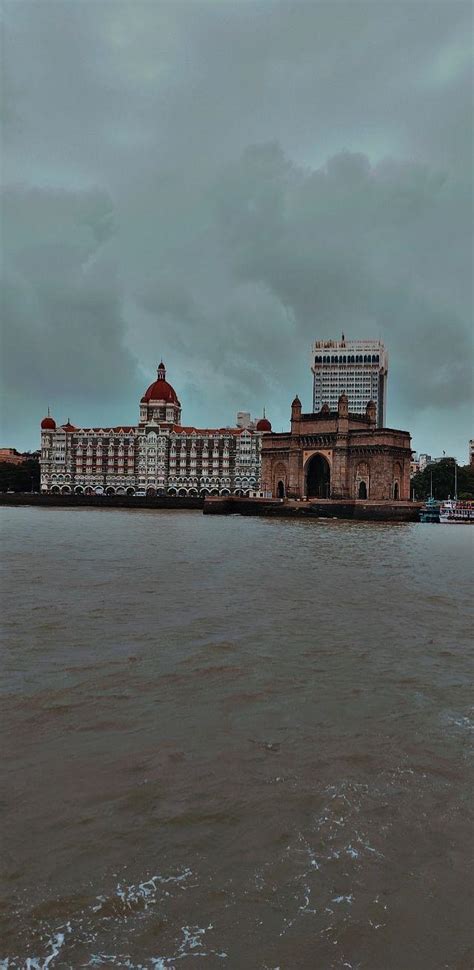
156 456
337 454
11 456
357 368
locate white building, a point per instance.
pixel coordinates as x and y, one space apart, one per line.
357 368
157 456
424 460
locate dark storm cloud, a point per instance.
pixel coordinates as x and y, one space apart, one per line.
222 184
63 331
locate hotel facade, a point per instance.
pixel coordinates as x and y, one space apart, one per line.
157 456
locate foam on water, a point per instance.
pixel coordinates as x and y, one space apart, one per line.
127 902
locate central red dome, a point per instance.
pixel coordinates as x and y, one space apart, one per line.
160 390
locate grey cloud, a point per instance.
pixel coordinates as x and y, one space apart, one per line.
221 184
63 331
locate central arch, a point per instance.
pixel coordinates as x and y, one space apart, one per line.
318 477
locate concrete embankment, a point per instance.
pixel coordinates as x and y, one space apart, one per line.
229 505
102 501
315 508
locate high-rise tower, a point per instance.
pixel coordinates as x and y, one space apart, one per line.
358 368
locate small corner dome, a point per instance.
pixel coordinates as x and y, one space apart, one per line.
325 409
296 402
343 398
263 425
48 424
68 426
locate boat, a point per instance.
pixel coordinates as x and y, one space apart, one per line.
455 511
430 510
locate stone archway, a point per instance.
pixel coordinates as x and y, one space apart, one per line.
362 493
318 477
280 480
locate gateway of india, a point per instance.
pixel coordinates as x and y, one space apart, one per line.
337 455
342 449
330 453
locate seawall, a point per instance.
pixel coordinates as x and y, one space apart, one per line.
229 505
102 501
315 508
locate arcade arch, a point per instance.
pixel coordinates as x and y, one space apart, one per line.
318 477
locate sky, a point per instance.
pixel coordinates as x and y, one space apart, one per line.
219 184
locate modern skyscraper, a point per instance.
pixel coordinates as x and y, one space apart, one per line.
357 368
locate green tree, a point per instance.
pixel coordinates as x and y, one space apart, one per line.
24 477
442 475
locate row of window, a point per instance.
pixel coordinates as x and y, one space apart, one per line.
348 359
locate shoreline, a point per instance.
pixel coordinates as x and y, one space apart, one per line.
357 509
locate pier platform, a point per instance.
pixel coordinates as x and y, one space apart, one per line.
360 509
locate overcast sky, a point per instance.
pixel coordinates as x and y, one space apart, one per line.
221 183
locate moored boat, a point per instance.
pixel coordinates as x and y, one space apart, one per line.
430 511
456 511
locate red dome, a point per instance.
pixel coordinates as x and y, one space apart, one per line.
68 426
48 424
160 390
263 425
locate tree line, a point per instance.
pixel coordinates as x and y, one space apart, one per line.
442 475
24 477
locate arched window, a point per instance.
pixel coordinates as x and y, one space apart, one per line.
362 490
281 489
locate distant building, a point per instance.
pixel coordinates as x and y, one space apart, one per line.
471 451
357 368
245 420
13 457
336 454
423 461
414 466
156 456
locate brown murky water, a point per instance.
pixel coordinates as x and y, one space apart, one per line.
239 742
